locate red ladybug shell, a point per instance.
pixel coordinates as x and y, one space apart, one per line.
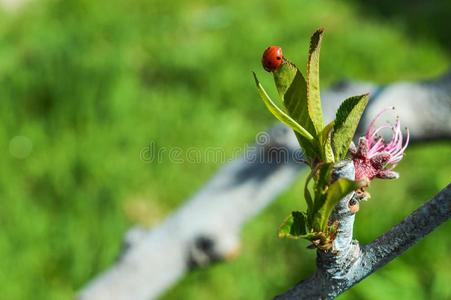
272 58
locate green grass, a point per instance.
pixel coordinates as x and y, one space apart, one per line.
92 83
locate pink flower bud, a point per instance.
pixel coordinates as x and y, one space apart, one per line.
373 157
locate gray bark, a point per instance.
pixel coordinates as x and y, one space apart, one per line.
348 264
206 227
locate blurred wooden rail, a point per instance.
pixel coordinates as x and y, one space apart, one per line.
207 226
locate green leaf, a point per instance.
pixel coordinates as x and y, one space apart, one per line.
346 122
294 226
324 174
280 114
326 143
292 89
336 191
284 77
307 194
321 183
309 150
313 93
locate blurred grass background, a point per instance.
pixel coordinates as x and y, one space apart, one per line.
86 85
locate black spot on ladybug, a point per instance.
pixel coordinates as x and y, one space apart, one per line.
278 58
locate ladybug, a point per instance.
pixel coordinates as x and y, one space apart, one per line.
272 58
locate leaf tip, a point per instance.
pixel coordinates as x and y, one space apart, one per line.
255 78
316 39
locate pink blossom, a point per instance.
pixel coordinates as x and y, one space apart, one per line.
373 157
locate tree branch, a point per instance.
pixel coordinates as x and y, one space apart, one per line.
412 229
347 265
